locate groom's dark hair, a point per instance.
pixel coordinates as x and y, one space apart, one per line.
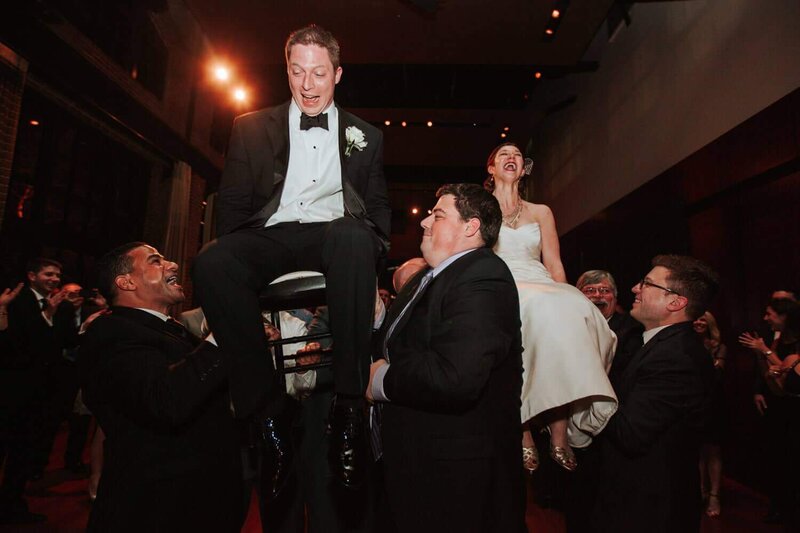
473 201
313 34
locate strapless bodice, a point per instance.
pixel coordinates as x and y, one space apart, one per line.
521 249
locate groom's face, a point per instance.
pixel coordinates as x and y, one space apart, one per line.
312 78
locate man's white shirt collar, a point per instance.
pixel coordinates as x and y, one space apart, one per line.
155 313
650 333
450 260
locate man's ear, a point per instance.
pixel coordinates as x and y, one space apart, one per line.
677 303
473 227
31 276
125 283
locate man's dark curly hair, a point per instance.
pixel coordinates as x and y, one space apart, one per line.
473 201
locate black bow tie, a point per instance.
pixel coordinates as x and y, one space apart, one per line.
319 121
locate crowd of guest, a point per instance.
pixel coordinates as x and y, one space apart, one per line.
428 414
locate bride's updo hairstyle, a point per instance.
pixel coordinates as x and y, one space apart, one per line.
522 184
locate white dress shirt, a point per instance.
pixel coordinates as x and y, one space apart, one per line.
312 190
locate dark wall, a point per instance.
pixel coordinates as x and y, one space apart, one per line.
733 203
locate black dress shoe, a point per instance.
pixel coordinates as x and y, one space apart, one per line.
21 517
276 457
348 448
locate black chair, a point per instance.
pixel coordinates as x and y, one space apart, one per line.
295 290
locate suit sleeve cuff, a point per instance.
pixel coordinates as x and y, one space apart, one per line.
378 394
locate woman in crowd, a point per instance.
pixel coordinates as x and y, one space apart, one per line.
567 343
782 407
710 456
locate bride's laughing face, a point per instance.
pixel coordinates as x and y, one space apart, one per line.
508 164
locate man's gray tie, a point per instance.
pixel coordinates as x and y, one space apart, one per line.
375 411
423 284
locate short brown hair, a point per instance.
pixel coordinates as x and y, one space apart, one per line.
472 201
37 264
313 34
691 278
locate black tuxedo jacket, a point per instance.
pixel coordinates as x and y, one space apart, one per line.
650 480
451 431
256 164
36 344
171 458
629 340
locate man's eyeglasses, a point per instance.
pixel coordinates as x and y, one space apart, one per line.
591 291
645 283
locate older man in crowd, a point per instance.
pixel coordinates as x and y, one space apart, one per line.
650 480
599 286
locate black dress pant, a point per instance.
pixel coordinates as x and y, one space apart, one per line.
231 271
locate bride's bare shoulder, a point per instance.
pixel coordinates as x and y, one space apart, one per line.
539 212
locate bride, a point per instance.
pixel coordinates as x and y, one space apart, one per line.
568 346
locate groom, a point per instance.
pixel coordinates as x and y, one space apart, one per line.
302 189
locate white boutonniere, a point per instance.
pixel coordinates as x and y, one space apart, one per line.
355 139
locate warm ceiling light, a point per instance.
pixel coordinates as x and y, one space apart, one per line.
414 210
548 31
430 124
537 75
34 122
404 124
502 135
222 73
506 128
387 122
555 14
239 95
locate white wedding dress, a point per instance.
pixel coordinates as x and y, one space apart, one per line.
567 344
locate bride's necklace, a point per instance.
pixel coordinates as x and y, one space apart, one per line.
511 219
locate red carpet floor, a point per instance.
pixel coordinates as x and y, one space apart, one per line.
63 498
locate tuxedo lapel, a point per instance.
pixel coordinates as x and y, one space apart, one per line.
278 132
343 125
641 354
411 298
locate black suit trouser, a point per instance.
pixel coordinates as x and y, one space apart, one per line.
230 272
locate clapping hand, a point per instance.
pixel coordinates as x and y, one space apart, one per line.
53 301
8 295
753 341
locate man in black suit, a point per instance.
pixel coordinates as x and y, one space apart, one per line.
302 189
29 367
160 394
451 378
650 480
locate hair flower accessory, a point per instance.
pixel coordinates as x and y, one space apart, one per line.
355 139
